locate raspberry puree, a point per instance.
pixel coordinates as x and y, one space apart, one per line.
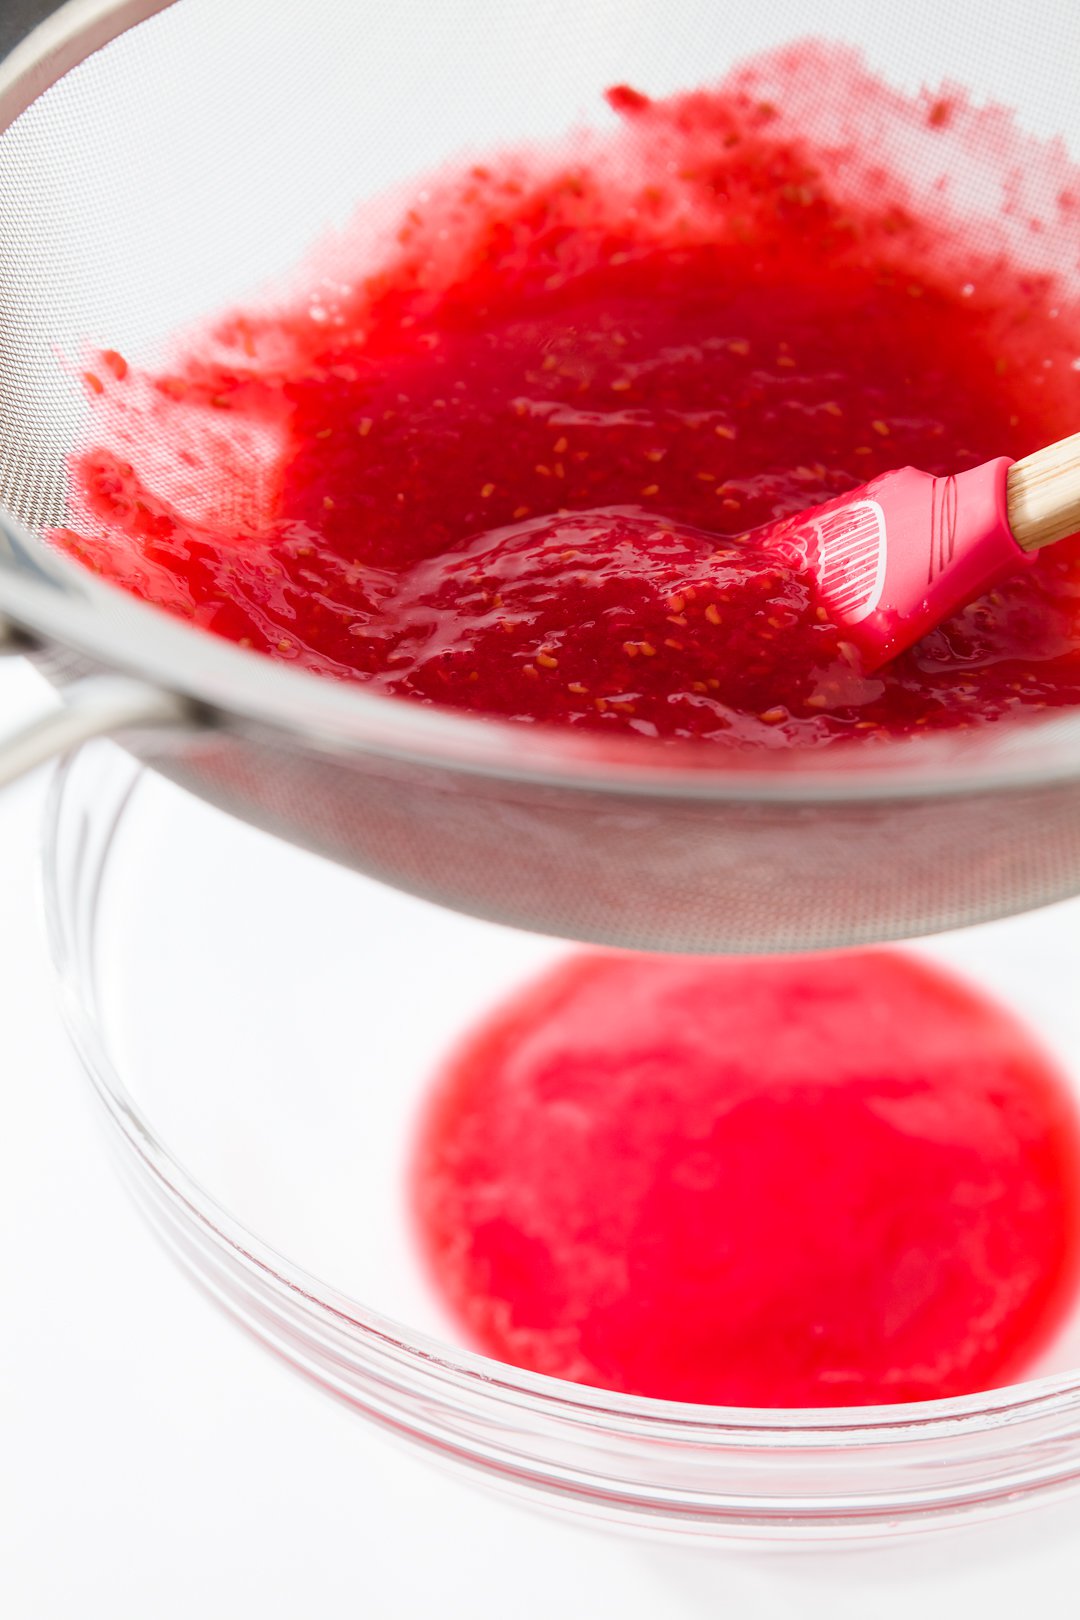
761 1182
509 456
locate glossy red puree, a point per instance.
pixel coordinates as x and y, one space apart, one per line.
806 1182
506 457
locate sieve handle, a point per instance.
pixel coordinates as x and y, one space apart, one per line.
19 17
96 706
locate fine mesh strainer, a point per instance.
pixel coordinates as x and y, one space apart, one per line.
161 162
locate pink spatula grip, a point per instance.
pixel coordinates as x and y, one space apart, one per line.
899 555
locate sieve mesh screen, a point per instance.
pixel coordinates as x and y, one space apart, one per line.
193 163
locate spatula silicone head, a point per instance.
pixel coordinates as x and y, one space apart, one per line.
892 559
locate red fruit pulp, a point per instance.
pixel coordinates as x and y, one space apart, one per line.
514 462
805 1182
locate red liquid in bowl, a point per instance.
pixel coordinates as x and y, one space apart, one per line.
815 1182
511 460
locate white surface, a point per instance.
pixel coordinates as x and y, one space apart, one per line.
156 1464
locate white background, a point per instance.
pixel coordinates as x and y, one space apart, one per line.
155 1464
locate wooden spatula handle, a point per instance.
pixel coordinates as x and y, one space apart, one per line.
1044 494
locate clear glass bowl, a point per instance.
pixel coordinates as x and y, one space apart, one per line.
259 1027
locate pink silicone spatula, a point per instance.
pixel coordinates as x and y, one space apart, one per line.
897 556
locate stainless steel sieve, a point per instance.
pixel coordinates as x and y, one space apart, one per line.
161 161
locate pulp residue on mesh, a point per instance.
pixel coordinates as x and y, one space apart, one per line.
511 460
